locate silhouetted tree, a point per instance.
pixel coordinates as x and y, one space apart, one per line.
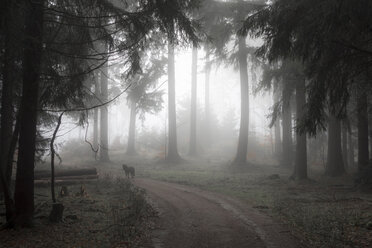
287 151
143 93
300 165
332 58
207 94
103 144
24 188
335 165
194 68
277 133
172 154
345 152
241 155
362 117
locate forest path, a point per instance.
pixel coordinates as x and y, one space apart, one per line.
190 217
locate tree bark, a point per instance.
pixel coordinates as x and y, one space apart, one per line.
335 164
207 97
241 155
172 155
9 72
8 198
52 154
32 57
344 145
287 154
300 168
278 140
131 150
104 157
362 117
370 144
350 155
95 116
192 148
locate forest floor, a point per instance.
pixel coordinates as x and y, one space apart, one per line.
321 212
109 212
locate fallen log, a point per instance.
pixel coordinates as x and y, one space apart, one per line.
44 174
46 183
82 177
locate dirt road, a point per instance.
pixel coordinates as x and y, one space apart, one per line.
191 217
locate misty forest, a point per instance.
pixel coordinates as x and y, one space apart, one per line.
185 123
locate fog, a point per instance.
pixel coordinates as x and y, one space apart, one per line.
225 109
193 123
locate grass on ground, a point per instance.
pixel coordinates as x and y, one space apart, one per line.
111 212
325 212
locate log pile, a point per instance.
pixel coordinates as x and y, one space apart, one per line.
66 176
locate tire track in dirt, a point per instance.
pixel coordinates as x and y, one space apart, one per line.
190 217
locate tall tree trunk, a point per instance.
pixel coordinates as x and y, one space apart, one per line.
287 154
32 56
350 155
194 66
172 155
95 115
300 168
8 81
8 199
104 157
131 150
335 164
344 144
362 116
370 144
207 98
278 140
241 155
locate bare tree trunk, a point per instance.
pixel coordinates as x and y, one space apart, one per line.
278 140
131 150
104 157
287 154
8 199
6 108
362 116
344 145
24 188
370 144
207 98
7 90
95 116
52 154
194 66
172 155
300 168
335 164
350 156
241 155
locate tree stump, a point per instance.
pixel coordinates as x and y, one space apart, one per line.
56 213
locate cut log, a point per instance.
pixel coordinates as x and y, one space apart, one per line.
65 173
56 213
